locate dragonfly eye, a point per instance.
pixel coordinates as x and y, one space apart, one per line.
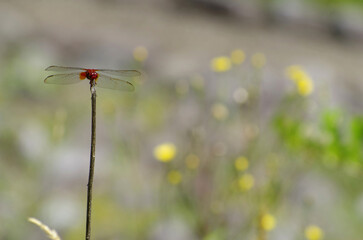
91 75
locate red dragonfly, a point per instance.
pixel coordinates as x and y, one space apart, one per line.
104 78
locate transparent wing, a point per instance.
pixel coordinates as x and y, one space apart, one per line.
105 81
59 68
120 73
69 78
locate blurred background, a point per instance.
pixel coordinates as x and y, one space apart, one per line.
246 123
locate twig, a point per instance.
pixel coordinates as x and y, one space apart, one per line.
92 160
52 234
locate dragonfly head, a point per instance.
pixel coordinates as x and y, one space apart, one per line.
91 74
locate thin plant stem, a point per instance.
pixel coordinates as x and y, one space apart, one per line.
92 160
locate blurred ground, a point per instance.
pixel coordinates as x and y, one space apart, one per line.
180 41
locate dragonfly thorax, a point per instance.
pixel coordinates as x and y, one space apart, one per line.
91 74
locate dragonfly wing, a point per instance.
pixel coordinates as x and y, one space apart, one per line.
105 81
59 69
120 73
70 78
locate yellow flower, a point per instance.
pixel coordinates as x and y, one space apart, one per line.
165 152
241 163
301 78
246 182
238 57
140 53
221 64
295 72
313 232
305 87
174 177
268 222
192 161
258 60
219 111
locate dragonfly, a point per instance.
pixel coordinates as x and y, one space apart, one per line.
104 78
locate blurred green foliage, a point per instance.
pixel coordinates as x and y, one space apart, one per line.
290 157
